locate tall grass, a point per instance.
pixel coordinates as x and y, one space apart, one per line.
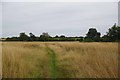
0 59
59 59
25 60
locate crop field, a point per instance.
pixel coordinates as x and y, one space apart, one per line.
59 60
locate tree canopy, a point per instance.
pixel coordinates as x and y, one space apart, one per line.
23 37
112 35
93 35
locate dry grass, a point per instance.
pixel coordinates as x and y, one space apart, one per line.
73 59
0 60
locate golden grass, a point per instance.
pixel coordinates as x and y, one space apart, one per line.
0 59
74 59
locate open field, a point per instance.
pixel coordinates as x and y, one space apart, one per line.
0 59
59 60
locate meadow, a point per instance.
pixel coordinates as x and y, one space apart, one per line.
0 60
59 60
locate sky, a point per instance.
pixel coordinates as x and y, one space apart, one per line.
59 0
0 20
57 18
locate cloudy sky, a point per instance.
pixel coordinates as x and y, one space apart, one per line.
69 18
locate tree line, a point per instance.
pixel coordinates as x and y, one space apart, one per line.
112 35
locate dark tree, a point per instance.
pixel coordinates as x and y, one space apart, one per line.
56 36
92 35
62 36
12 39
114 33
32 37
97 37
105 38
45 37
23 37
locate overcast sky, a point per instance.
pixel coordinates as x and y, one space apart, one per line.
71 19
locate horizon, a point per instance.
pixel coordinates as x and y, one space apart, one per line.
55 34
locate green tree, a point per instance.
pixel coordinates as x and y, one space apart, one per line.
12 39
114 33
23 37
32 37
56 36
62 36
45 34
92 35
45 37
105 38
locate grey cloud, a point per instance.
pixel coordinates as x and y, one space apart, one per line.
72 19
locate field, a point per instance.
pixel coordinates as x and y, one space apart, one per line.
0 60
59 60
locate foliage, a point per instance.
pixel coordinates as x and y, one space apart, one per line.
32 37
92 35
114 33
105 38
23 37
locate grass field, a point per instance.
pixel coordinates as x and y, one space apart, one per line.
0 60
59 60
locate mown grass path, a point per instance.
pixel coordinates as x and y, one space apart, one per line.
53 62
